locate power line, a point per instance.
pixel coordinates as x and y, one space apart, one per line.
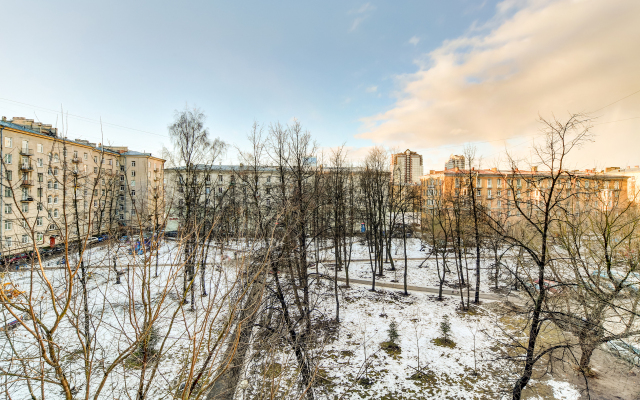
86 119
610 104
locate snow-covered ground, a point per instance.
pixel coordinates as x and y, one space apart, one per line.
352 364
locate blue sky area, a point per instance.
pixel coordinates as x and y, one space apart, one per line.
326 63
430 75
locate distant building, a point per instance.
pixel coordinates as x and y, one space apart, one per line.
406 167
497 191
633 181
455 161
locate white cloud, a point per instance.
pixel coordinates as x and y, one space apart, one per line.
539 58
362 14
414 40
372 89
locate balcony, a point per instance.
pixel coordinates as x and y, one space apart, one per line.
156 170
26 182
26 199
26 152
76 160
26 167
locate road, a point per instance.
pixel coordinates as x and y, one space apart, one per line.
445 292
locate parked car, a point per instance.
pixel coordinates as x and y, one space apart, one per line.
624 350
17 258
631 282
171 234
92 240
551 286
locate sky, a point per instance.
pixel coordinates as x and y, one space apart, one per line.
431 76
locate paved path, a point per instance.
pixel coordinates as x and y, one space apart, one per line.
447 292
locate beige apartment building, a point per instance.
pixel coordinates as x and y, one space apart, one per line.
54 189
497 190
406 167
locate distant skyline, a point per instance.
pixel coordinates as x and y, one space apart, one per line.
429 76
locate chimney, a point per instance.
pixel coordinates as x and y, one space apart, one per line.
534 168
494 169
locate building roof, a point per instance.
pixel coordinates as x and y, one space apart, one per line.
18 127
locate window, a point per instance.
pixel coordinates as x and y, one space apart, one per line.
7 158
39 237
519 182
25 207
133 163
75 154
7 241
9 175
220 179
219 190
39 192
268 179
489 193
133 193
39 221
499 203
133 173
55 213
121 188
95 203
40 177
499 182
268 190
85 155
7 192
121 197
7 208
133 183
8 225
95 159
110 162
40 148
103 192
39 162
121 216
122 168
39 206
478 182
8 142
95 170
616 185
56 158
55 185
55 171
25 239
49 199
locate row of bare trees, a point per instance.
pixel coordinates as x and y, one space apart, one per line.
235 303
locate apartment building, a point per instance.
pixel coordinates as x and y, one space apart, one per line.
140 184
213 184
54 189
406 167
497 190
455 161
